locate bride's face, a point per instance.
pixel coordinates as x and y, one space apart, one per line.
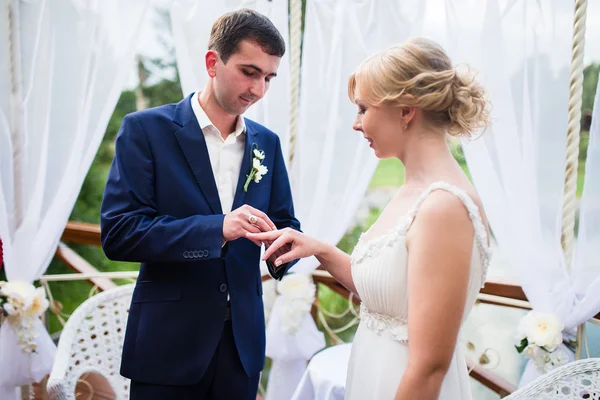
379 126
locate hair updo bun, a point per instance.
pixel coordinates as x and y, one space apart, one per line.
420 74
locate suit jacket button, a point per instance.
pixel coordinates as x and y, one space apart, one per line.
196 255
186 254
205 253
223 287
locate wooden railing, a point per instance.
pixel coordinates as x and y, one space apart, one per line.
497 292
82 233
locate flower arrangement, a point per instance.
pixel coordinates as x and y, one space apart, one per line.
298 292
539 336
21 304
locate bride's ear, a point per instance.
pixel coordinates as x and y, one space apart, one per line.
407 114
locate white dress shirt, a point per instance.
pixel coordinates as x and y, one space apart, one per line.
225 154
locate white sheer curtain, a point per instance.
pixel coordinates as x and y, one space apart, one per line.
518 164
333 164
192 21
69 60
586 268
522 50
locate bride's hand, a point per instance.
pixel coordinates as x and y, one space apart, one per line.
299 244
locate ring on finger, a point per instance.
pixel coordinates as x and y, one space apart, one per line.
253 219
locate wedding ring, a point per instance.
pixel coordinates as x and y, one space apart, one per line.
253 219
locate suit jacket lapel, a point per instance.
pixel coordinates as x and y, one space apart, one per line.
193 145
240 195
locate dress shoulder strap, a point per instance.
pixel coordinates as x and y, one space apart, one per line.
481 235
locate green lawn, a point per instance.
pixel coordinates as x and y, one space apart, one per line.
390 173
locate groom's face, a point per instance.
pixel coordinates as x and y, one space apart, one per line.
245 78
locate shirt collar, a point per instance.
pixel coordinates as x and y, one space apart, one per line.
205 122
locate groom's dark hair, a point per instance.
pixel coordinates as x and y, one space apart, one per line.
230 29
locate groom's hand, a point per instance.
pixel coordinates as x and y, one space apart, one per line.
246 219
240 221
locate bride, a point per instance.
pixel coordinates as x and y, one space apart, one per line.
419 268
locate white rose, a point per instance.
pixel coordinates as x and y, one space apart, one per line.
19 294
24 299
18 289
9 308
293 312
297 286
545 330
39 303
298 293
526 325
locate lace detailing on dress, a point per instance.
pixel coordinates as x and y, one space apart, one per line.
380 323
371 248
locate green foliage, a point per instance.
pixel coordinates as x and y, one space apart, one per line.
336 304
590 83
350 239
389 173
163 92
332 301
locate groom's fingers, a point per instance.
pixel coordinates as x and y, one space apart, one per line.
252 229
262 225
269 225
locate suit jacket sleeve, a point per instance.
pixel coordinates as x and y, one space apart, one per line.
131 228
281 206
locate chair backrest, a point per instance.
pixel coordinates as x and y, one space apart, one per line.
576 380
91 342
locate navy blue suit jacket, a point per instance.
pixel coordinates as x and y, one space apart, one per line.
161 208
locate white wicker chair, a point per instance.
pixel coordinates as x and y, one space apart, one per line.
91 342
575 380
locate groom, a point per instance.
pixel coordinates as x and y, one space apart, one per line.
178 199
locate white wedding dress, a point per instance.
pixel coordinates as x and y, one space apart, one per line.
379 270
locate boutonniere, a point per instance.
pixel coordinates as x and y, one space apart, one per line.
257 170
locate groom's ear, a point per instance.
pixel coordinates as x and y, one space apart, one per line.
211 59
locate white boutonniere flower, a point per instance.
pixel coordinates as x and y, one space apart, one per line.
257 170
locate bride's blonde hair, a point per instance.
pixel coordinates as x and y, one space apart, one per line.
420 74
